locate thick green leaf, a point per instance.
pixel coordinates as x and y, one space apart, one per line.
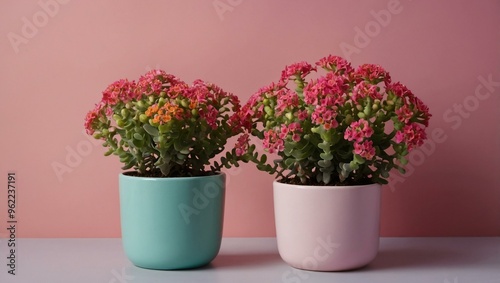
324 146
129 164
384 173
319 177
263 158
335 139
299 154
324 163
358 159
151 130
353 165
289 162
326 156
178 146
403 160
138 143
326 177
164 128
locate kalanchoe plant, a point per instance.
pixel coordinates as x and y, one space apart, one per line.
163 127
346 127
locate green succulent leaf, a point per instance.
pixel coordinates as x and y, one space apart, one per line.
325 163
151 130
324 146
326 156
384 173
128 165
289 162
358 159
326 177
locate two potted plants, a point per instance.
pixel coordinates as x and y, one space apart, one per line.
168 133
336 137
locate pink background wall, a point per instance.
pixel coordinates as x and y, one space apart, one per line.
56 60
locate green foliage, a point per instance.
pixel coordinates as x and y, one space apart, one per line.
348 127
163 127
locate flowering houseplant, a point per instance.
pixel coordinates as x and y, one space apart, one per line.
162 127
346 127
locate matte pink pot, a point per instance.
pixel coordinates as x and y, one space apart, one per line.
327 228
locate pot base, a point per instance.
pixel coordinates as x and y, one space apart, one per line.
171 223
327 228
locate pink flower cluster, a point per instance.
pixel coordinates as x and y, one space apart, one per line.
156 81
287 99
373 73
363 90
325 116
121 90
273 142
241 145
326 91
412 104
253 109
365 149
399 89
404 114
413 135
203 98
274 139
293 129
335 63
91 117
359 132
210 115
301 69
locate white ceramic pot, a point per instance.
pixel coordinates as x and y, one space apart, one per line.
327 228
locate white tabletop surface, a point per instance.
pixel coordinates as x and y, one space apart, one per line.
422 260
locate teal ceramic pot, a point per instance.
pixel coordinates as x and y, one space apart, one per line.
172 223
